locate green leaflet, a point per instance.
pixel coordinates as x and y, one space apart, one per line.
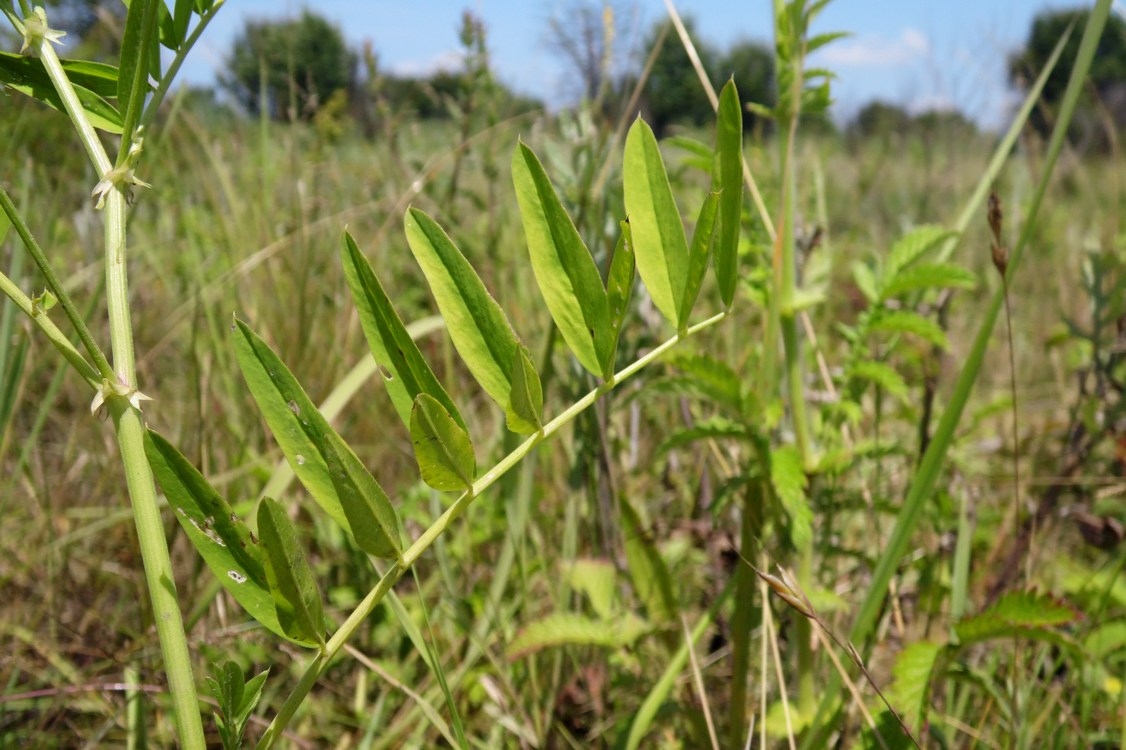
658 234
698 256
296 596
905 321
563 266
570 628
912 246
928 276
407 373
222 540
320 458
729 180
788 479
441 447
913 671
619 291
28 76
524 412
477 325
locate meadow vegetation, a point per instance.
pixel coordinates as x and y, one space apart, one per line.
786 515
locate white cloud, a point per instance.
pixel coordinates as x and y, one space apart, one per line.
871 51
448 61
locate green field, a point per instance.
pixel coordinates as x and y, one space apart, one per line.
829 428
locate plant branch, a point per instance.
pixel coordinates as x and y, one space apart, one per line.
321 661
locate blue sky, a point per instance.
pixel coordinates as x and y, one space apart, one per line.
914 52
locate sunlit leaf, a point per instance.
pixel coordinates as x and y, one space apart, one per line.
619 291
788 478
564 268
569 628
296 596
407 373
477 325
320 458
441 447
524 412
698 256
224 542
658 234
28 76
729 180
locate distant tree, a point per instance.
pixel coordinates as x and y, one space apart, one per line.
880 119
672 92
305 61
1107 76
584 34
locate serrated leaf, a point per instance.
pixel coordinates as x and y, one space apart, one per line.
729 180
904 321
596 579
407 372
709 377
882 375
713 428
1027 614
28 76
222 540
929 276
865 281
912 246
699 255
647 569
320 458
441 447
296 596
619 291
563 267
658 234
571 629
912 675
802 299
479 329
788 479
524 413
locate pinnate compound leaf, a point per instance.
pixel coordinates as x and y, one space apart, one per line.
882 375
597 579
929 276
912 246
564 268
648 571
619 291
571 629
905 321
320 458
912 676
296 596
698 255
729 180
441 447
865 281
713 428
524 412
477 325
788 479
658 234
224 542
407 372
1027 614
28 76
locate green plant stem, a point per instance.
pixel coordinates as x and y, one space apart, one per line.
130 430
55 286
86 132
54 335
321 661
174 67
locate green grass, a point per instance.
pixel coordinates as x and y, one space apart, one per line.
245 222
